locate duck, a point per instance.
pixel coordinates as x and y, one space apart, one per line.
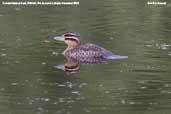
85 52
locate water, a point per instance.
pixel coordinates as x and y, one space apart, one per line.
141 84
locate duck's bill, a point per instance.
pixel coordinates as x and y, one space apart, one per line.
59 38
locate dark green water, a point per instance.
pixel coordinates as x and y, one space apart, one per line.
141 84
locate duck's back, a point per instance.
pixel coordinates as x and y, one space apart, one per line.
88 52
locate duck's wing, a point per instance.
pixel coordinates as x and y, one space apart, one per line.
98 51
92 50
92 47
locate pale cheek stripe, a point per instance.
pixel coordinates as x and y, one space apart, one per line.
72 37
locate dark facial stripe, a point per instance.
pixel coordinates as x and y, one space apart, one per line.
72 35
71 67
71 70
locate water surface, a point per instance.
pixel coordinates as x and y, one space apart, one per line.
30 84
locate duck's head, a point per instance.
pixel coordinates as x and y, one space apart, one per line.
72 39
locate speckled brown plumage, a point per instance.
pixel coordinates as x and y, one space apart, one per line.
87 52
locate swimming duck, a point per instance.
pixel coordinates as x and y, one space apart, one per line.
87 52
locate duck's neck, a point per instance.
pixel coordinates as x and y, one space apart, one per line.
69 48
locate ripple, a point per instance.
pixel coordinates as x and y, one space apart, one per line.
169 53
75 92
61 100
2 89
17 9
3 54
46 41
55 53
61 85
165 46
43 63
14 84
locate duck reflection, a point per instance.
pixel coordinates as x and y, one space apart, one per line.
72 66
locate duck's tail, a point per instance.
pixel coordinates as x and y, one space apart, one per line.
112 56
